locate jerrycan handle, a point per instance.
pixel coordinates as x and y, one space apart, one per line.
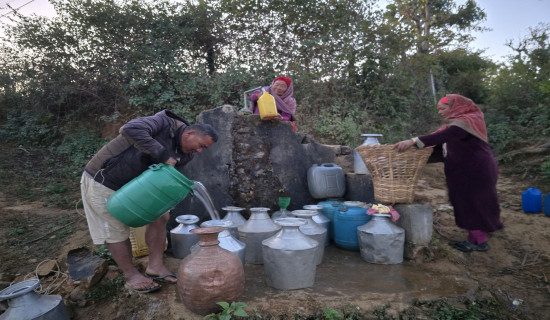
329 165
156 166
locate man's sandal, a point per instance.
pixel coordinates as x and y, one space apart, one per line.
155 287
162 277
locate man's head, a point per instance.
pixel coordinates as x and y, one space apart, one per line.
197 137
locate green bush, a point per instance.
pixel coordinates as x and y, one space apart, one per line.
78 148
29 128
337 124
229 310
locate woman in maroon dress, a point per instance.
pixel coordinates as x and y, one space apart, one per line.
470 169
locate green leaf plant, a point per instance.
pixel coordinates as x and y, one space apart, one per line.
229 310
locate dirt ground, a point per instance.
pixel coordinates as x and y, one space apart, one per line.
515 272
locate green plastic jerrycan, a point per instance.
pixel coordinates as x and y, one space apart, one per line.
149 195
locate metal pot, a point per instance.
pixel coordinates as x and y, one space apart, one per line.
289 256
313 230
258 228
226 239
320 219
25 304
381 241
181 236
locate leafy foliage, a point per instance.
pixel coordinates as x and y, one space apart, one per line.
431 25
477 309
103 252
78 147
229 310
354 68
107 290
519 92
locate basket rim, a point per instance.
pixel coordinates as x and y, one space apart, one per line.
394 174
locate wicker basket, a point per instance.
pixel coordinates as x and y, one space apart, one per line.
394 174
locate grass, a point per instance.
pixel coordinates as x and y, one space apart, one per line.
107 290
440 309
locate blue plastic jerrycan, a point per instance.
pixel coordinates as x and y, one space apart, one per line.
547 205
531 200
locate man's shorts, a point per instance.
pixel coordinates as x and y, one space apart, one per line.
104 228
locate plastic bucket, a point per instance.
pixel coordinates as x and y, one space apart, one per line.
346 221
329 208
547 205
531 200
149 195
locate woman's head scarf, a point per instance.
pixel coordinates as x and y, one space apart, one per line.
287 80
466 115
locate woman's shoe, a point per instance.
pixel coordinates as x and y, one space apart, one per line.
467 246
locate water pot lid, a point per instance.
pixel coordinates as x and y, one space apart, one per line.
19 289
187 219
313 207
232 208
305 213
387 215
217 223
372 135
290 222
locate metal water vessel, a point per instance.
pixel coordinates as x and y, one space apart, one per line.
320 219
313 230
289 256
181 237
25 304
381 241
226 239
258 228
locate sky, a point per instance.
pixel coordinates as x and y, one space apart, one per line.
508 19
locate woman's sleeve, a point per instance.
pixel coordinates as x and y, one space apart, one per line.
449 134
254 97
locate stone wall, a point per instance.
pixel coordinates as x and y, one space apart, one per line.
254 162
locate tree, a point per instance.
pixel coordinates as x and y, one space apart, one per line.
429 25
463 72
324 37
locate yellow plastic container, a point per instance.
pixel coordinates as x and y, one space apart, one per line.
139 246
137 239
267 107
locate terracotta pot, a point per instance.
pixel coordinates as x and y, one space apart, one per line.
209 275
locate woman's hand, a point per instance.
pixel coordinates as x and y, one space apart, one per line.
403 145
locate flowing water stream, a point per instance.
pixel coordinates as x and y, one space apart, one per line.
202 194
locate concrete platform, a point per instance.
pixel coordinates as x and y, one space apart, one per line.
343 278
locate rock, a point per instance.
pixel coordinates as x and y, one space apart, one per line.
67 287
78 294
86 267
47 268
418 253
254 162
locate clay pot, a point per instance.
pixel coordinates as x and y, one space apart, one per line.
209 275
